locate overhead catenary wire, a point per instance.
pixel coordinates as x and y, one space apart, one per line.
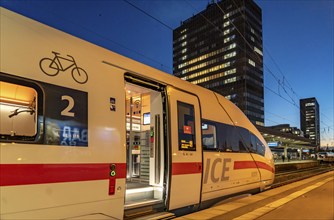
327 118
143 55
252 48
260 59
166 67
149 15
279 69
275 63
292 102
281 83
281 117
275 122
287 100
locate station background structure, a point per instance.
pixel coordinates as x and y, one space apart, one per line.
294 146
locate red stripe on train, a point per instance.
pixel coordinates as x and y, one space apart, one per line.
186 168
23 174
265 166
251 164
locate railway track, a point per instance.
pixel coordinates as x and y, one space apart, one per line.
283 178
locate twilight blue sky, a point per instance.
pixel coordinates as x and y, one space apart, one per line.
297 38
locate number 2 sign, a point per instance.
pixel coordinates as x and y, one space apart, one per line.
66 116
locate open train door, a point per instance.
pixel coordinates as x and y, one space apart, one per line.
145 147
186 149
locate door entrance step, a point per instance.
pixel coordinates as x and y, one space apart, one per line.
157 216
142 203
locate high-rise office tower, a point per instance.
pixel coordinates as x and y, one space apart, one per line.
310 119
220 48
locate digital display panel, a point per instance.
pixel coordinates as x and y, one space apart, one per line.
146 118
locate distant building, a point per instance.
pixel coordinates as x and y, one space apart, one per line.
221 49
310 119
287 129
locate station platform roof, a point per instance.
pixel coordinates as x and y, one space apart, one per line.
285 139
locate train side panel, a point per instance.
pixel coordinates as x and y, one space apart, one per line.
229 168
227 173
76 164
32 182
266 159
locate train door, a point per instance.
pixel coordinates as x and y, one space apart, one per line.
186 159
145 132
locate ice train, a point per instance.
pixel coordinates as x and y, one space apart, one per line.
89 134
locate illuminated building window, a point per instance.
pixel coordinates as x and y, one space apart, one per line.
227 23
229 97
230 80
226 15
229 55
205 56
231 46
210 77
227 31
251 62
232 71
229 39
213 77
257 50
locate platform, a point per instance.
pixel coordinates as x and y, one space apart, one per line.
310 198
295 165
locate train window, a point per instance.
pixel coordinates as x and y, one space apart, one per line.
260 147
234 139
244 139
18 111
186 126
253 143
223 137
209 138
227 138
256 146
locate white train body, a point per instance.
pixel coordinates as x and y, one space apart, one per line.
97 135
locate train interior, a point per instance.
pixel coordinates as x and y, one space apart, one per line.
144 180
17 110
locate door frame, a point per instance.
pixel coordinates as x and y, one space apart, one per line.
194 165
161 88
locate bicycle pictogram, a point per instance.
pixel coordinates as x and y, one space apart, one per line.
52 67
